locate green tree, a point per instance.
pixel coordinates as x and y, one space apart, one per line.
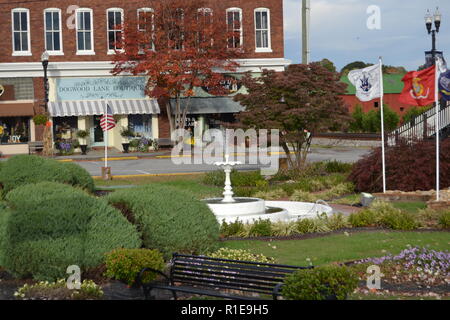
358 115
355 65
328 64
304 97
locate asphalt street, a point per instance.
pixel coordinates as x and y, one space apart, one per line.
168 165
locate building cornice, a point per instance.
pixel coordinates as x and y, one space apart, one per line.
103 68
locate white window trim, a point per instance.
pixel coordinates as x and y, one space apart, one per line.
111 52
269 31
21 53
54 52
85 52
241 24
153 24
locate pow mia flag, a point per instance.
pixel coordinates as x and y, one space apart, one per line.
367 82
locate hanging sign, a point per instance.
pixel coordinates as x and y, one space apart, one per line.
229 85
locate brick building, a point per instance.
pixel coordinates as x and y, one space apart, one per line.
76 35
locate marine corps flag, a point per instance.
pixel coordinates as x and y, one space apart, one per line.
419 87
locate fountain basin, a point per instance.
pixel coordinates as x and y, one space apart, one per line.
248 210
241 206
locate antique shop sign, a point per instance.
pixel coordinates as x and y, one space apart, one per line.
71 89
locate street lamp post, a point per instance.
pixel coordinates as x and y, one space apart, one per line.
429 24
44 58
48 132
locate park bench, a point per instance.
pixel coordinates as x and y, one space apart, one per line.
165 142
35 146
222 278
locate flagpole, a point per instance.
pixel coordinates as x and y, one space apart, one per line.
436 118
383 159
106 135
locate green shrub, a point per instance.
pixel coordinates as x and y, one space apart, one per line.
58 291
238 178
24 169
241 255
444 220
320 283
79 176
170 220
243 191
303 196
4 216
312 225
363 218
275 194
232 229
398 220
335 166
261 228
125 264
336 221
53 226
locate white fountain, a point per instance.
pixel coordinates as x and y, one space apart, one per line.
246 210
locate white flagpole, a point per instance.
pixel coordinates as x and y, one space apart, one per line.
436 118
382 126
106 135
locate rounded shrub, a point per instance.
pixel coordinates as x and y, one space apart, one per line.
170 220
53 226
322 283
24 169
125 264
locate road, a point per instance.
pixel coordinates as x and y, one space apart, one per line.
167 165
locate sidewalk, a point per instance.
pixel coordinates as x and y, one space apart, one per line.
113 154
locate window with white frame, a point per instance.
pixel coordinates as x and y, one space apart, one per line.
262 30
146 28
21 31
204 20
234 26
85 31
53 32
115 29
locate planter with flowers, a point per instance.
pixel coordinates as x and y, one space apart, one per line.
82 135
126 134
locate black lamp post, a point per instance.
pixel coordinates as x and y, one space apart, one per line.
429 24
44 58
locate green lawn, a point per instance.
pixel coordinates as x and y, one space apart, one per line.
341 248
188 183
409 206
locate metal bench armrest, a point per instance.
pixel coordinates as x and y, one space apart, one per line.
141 273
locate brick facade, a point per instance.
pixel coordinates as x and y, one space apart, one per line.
130 7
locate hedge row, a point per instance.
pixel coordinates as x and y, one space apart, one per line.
170 220
53 226
24 169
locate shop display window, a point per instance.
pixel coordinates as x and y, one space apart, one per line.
14 130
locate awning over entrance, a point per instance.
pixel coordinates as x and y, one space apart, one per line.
210 105
97 107
16 109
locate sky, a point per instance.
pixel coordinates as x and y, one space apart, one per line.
339 31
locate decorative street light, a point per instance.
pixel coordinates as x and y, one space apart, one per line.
44 58
429 24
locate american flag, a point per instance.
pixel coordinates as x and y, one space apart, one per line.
107 121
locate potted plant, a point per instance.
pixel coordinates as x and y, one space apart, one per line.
40 119
82 135
126 134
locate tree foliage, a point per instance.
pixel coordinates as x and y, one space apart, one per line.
179 47
304 97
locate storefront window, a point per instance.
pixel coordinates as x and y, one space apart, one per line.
65 132
141 125
220 120
14 130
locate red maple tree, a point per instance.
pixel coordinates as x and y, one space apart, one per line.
180 45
